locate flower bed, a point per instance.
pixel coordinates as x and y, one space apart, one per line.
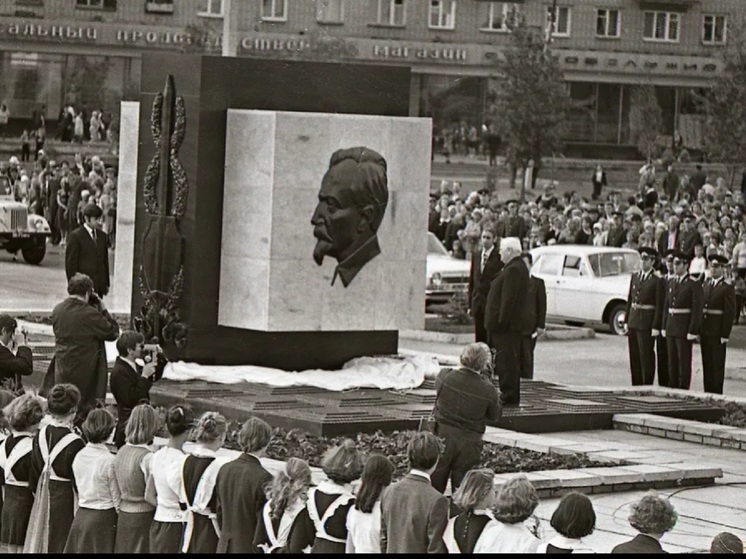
500 459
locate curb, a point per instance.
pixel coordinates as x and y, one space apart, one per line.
553 333
723 436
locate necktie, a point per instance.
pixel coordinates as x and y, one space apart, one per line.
93 234
484 260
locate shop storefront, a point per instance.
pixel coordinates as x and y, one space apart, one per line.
96 65
45 67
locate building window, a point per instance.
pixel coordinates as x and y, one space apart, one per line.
330 11
562 21
501 16
159 6
390 12
713 32
274 10
608 23
97 4
661 26
442 14
211 8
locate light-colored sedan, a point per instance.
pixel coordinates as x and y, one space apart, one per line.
446 275
586 284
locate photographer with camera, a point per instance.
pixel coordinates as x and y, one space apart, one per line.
135 370
465 400
16 360
81 325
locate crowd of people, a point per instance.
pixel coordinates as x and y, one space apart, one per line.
700 216
65 491
60 190
690 232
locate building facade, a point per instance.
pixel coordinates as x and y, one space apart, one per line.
52 50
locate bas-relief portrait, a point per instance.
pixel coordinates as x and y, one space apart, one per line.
352 203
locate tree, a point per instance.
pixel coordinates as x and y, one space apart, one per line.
531 101
84 83
724 103
646 119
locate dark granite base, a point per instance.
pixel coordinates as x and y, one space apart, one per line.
545 408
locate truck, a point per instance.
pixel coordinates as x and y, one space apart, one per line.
20 231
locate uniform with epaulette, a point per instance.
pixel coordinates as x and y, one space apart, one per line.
682 318
718 313
645 302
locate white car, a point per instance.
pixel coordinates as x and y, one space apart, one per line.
446 275
586 284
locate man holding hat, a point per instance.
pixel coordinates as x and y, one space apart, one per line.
506 314
719 311
644 315
682 318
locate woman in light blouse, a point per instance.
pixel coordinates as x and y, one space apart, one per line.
164 484
95 526
507 533
132 469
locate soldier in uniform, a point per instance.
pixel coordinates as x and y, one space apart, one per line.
644 311
682 317
665 268
718 310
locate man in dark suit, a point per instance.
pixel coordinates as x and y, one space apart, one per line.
505 317
131 379
698 178
718 314
87 251
81 325
536 318
645 302
240 490
513 225
682 317
16 359
485 264
414 515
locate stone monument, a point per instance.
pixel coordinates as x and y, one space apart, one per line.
200 292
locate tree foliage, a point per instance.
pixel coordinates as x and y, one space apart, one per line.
724 103
531 102
646 119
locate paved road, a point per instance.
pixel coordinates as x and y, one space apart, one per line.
27 288
601 361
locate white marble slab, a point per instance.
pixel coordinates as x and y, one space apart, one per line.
269 281
121 296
